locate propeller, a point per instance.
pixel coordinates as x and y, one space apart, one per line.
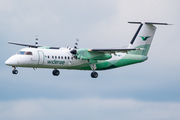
36 43
76 44
74 51
68 47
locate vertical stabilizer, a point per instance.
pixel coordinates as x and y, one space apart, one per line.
143 37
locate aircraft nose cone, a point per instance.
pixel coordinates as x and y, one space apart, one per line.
8 61
11 61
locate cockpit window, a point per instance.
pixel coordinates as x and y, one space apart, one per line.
28 53
24 53
21 52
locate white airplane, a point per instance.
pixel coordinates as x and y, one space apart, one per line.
35 56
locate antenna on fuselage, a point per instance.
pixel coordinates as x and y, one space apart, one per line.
36 43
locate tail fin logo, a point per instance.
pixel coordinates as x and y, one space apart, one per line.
144 38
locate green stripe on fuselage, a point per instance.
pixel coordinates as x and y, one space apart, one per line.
128 59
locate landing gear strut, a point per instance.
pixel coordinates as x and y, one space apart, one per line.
14 71
93 74
55 72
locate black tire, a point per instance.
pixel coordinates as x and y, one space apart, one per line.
94 74
55 72
15 72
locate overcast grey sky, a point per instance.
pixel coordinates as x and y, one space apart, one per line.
148 90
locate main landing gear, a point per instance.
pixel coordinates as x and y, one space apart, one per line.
14 71
55 72
93 74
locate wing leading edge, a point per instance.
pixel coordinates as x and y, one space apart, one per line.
21 44
33 46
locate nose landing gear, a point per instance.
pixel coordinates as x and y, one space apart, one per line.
14 71
55 72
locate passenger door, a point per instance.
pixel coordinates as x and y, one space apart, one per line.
40 57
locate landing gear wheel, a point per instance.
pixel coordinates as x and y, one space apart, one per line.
94 74
55 72
15 72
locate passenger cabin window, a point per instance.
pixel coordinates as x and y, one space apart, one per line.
52 57
24 53
58 57
55 57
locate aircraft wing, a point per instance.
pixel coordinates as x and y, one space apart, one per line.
21 44
114 50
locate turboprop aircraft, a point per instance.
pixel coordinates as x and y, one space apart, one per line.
35 56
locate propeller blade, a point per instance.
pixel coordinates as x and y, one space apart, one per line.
76 44
36 43
74 51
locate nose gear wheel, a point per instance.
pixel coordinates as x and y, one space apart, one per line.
14 71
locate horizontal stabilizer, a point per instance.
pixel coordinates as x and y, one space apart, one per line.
154 23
